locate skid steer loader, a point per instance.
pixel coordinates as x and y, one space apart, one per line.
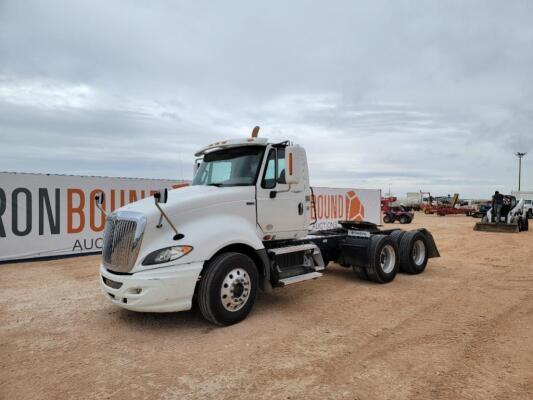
513 217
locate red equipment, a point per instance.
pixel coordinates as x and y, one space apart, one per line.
447 209
386 201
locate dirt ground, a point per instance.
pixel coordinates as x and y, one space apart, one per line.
461 330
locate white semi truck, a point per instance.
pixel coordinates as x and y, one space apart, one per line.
243 225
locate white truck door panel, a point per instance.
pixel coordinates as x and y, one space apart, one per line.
286 215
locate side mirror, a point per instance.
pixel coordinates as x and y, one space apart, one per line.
196 165
295 164
99 199
161 196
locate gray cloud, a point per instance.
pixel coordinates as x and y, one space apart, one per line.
428 95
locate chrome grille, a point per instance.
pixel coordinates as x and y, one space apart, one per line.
122 240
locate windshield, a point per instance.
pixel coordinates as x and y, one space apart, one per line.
237 166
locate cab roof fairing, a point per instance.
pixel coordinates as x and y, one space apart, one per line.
224 144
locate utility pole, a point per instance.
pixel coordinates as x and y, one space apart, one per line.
519 155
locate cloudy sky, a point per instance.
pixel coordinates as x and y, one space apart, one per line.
431 95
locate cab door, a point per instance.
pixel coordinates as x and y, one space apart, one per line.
281 208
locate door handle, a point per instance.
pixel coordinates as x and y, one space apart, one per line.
300 208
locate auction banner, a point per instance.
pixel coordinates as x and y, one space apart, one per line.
344 204
52 215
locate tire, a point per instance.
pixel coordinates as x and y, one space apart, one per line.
383 259
529 214
224 273
413 253
404 220
396 236
386 219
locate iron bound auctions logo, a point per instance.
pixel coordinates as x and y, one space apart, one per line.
338 207
355 210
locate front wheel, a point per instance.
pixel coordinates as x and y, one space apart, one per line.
404 219
228 288
386 219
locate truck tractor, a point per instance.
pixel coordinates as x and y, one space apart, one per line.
241 226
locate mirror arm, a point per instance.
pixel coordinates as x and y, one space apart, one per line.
101 209
178 235
160 223
97 199
284 191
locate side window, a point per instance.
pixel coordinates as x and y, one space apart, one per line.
269 179
274 174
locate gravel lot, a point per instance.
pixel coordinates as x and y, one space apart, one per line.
463 329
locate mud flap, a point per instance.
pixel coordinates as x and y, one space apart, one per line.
432 246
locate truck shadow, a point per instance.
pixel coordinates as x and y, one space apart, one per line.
191 319
273 302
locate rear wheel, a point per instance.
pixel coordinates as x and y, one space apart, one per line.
413 253
383 259
386 219
228 288
396 236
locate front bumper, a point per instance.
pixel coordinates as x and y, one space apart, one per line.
166 289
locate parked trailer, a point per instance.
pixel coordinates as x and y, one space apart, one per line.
243 225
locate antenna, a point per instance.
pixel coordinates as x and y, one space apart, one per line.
255 132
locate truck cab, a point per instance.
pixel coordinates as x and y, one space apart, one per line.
242 225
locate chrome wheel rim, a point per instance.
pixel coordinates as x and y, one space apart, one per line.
235 290
387 259
419 252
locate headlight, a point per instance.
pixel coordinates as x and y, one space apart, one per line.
167 254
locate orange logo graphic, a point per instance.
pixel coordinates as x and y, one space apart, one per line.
355 211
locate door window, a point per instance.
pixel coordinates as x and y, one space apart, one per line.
275 169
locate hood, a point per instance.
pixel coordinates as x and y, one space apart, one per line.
190 198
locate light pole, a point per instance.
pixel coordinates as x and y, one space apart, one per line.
519 155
